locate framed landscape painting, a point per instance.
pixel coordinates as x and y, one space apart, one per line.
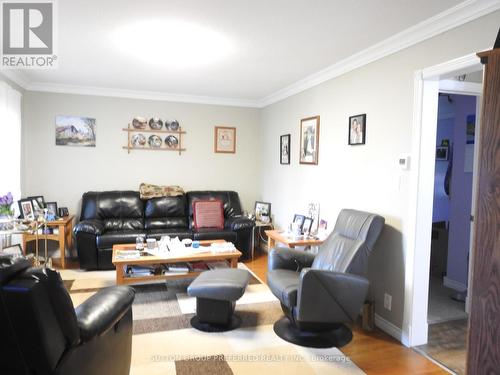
75 131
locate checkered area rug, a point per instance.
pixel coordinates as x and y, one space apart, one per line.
165 343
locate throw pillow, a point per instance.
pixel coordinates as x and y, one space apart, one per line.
208 214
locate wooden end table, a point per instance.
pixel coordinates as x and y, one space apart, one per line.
64 237
121 278
275 235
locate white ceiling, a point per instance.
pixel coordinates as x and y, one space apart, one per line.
273 43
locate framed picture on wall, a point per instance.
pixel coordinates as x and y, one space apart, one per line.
357 130
442 153
285 149
75 131
309 140
225 140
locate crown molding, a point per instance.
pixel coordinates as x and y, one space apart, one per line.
17 77
136 94
440 23
456 16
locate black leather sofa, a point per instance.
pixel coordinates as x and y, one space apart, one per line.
116 217
41 332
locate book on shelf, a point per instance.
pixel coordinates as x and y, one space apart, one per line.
139 271
178 267
198 266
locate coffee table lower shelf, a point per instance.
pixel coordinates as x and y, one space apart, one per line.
121 264
144 279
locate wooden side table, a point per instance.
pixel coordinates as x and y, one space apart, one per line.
64 237
274 236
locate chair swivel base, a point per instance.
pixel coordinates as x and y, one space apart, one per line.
234 323
215 315
337 337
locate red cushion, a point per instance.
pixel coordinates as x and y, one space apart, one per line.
208 214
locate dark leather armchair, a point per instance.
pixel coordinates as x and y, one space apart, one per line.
41 332
319 293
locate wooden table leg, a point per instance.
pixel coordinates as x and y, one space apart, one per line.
24 244
270 243
62 245
234 262
119 274
70 235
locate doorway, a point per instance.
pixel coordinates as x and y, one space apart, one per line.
451 230
428 83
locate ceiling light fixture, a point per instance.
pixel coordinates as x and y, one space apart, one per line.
171 43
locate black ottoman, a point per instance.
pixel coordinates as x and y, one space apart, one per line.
216 294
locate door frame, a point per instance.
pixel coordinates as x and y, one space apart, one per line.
424 129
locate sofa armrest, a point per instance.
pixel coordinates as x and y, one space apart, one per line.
330 295
238 222
289 259
95 227
103 310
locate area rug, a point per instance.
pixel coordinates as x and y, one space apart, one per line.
165 343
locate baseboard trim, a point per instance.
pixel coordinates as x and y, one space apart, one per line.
388 327
453 284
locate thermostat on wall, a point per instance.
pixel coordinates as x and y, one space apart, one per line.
404 162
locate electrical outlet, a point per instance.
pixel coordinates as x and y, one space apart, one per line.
388 301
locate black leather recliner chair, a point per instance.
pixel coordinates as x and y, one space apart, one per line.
318 293
118 217
41 332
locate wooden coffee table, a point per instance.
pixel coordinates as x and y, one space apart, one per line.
274 236
120 264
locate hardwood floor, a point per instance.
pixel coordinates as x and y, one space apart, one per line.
374 352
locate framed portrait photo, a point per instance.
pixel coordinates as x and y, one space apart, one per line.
299 220
263 211
26 209
309 140
285 149
306 225
38 202
52 207
357 130
225 140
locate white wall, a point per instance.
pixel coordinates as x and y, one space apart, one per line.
64 173
363 177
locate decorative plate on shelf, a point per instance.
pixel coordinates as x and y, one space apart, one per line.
171 141
154 141
139 122
138 140
172 125
155 123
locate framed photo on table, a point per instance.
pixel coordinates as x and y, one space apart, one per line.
299 221
309 140
52 207
38 202
26 209
263 211
306 225
225 140
285 149
357 130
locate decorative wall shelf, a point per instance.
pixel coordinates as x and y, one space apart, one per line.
143 143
